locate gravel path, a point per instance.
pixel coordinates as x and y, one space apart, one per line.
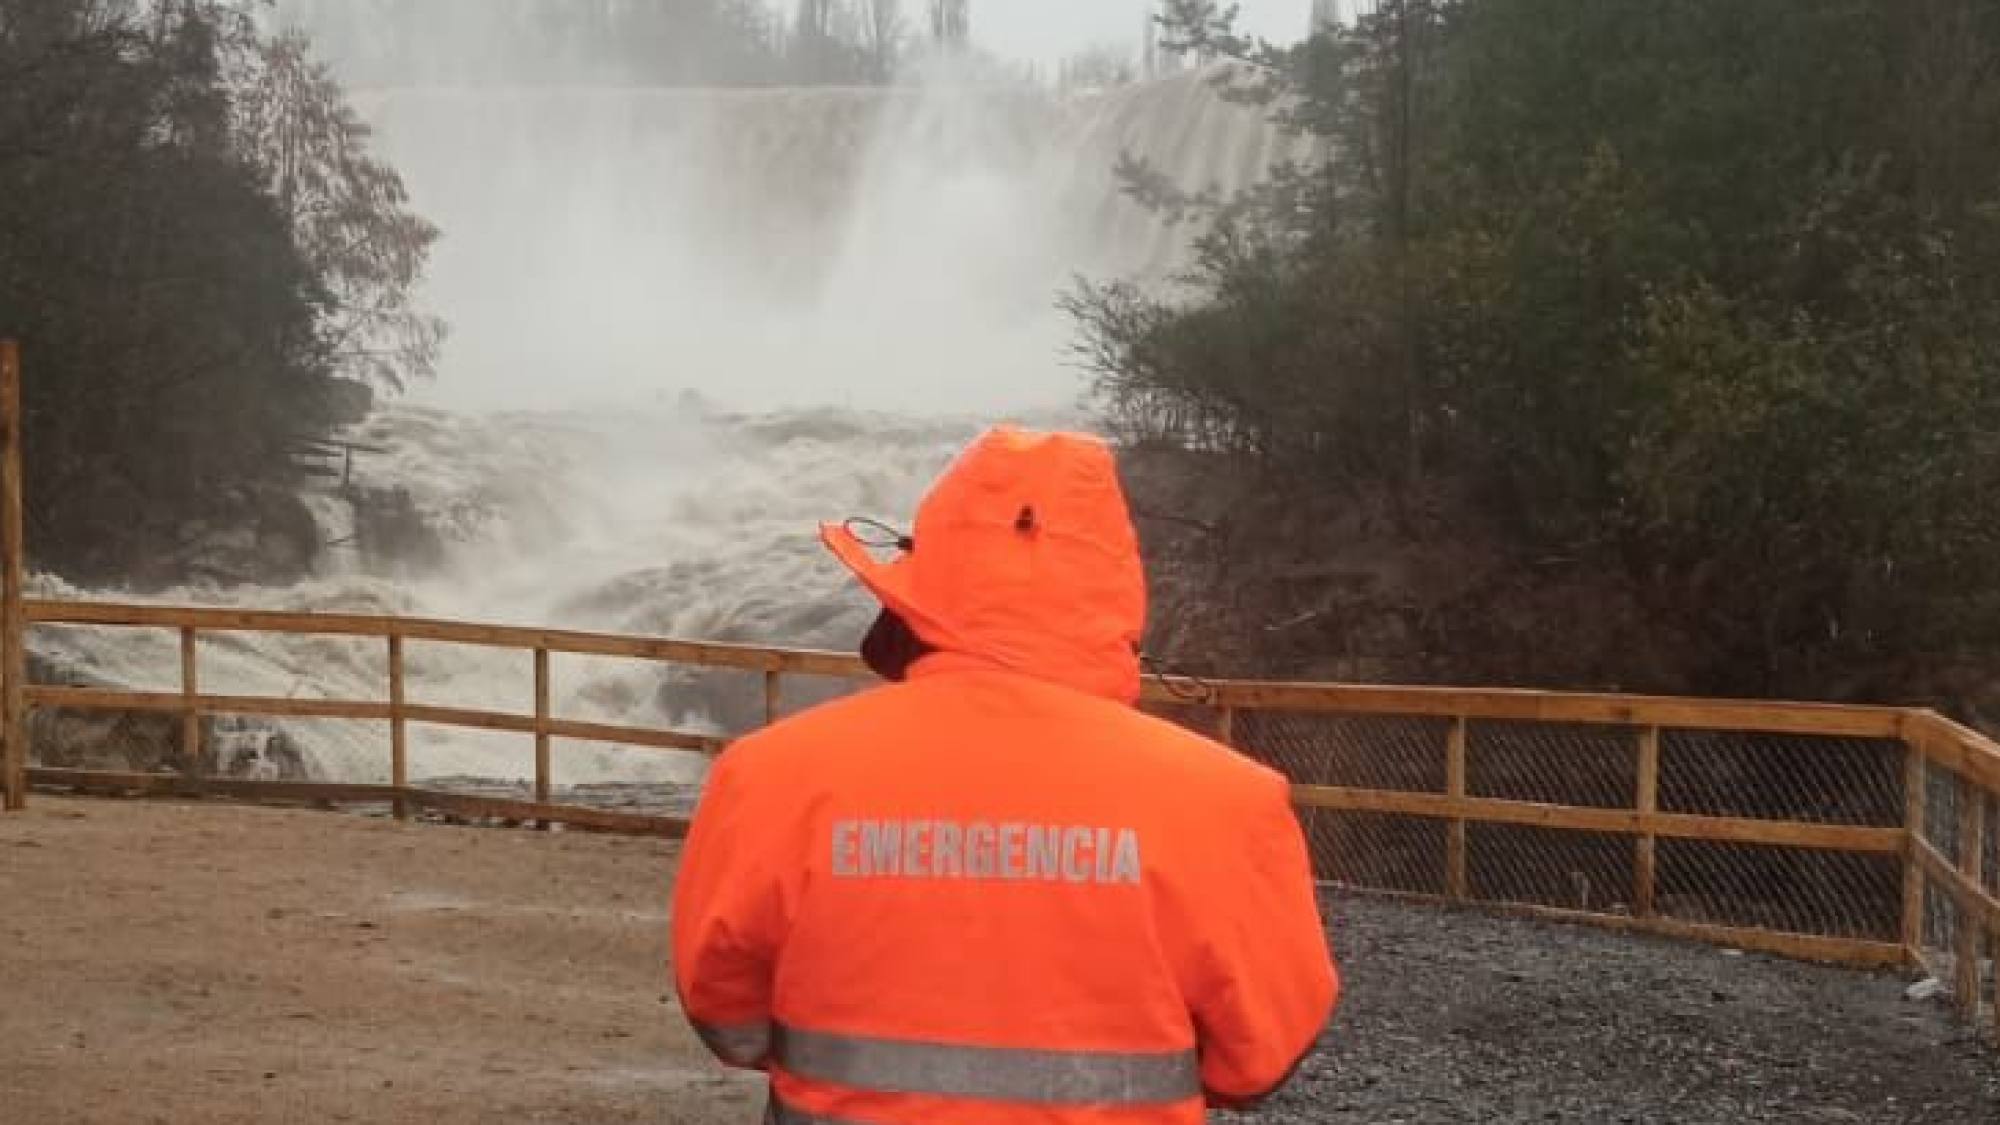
1462 1016
212 963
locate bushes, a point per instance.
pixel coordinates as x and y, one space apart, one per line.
1701 293
181 319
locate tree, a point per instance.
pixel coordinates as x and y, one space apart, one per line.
1097 68
951 23
882 37
515 42
177 326
349 214
1700 294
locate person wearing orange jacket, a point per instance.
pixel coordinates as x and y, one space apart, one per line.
992 890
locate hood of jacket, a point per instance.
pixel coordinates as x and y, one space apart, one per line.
1024 557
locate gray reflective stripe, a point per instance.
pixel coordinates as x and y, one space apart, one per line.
1003 1074
743 1045
778 1113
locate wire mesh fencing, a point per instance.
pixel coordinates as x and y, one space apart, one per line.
1553 763
1597 818
1955 885
1814 779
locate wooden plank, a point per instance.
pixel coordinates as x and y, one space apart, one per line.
1969 897
1915 766
13 567
1796 718
1959 749
1551 707
211 619
637 736
562 728
178 785
1783 833
542 765
464 804
1775 833
101 699
499 808
1646 857
1972 925
106 699
191 743
399 746
1851 952
467 717
1454 772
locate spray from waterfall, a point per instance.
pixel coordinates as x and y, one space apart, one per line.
895 248
689 325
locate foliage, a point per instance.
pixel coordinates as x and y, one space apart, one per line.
1097 68
348 211
642 42
950 22
181 319
1702 291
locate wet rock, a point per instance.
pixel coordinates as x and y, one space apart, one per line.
150 742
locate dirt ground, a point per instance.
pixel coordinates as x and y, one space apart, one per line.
180 963
177 963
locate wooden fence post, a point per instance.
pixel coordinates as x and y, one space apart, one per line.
1646 860
1993 936
13 621
1456 879
542 729
1225 726
1914 769
399 749
191 742
1971 923
773 694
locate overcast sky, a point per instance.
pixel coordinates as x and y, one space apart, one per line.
1047 30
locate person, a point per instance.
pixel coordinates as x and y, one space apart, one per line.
992 890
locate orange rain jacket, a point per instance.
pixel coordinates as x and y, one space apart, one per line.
997 892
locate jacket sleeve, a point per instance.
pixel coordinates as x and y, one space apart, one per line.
1265 984
728 919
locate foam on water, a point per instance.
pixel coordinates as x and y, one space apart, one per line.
894 249
663 523
864 276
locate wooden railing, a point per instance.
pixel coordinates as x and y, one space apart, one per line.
396 708
1313 732
1420 792
1954 773
1637 723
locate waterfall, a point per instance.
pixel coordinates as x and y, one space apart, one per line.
897 248
688 326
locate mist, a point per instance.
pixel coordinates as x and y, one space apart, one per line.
893 247
1045 31
688 323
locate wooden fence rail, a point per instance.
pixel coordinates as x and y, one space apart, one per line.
1923 740
1936 842
194 705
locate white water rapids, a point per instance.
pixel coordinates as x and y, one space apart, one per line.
850 283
